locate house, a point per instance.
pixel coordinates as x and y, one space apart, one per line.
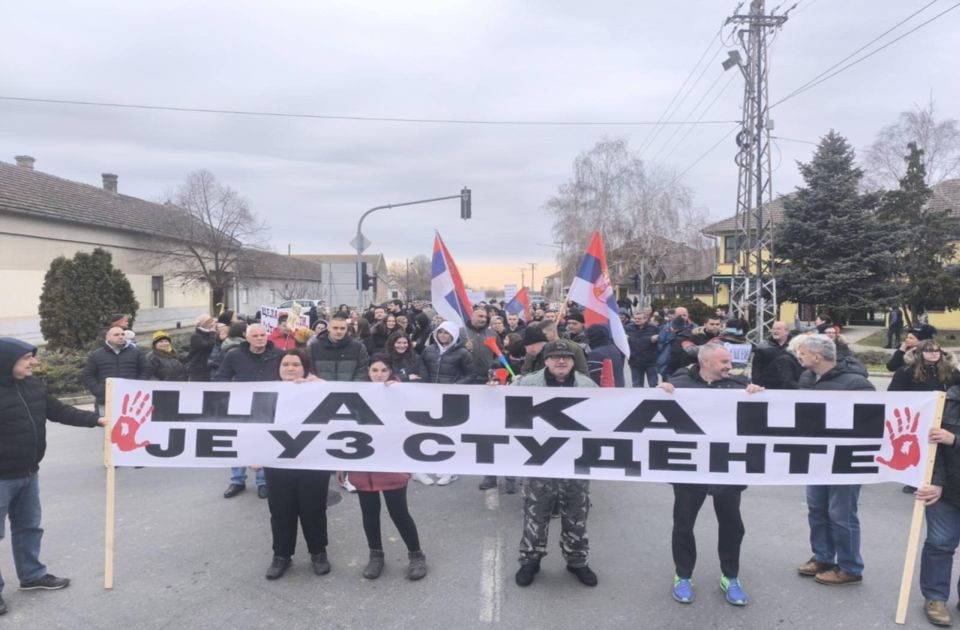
43 216
946 196
266 278
339 277
671 270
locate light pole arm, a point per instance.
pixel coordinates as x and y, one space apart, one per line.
360 234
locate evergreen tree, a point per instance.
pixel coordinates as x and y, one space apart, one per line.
79 296
833 250
925 238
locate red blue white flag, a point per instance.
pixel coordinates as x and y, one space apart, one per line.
520 305
592 290
447 292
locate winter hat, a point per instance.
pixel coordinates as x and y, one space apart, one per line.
225 317
924 332
533 335
160 336
559 348
576 316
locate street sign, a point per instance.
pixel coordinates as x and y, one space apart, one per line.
364 243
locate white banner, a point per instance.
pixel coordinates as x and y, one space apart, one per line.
692 436
269 317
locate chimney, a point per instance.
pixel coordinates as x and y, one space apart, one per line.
110 182
26 161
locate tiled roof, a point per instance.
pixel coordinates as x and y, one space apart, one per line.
27 191
261 264
946 195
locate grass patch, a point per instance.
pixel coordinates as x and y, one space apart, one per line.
878 339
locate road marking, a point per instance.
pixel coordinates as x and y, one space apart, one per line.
493 499
490 580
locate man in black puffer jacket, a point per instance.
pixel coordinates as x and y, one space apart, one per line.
642 336
25 407
711 372
339 357
117 358
601 348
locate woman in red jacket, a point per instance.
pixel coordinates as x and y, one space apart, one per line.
394 488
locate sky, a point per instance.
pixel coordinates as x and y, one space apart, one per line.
533 62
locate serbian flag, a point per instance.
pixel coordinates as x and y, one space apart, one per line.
591 289
520 305
447 293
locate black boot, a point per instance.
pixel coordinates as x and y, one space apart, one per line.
527 572
321 566
375 565
278 567
417 568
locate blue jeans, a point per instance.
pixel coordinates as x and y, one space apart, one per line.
20 500
834 526
936 560
650 371
238 476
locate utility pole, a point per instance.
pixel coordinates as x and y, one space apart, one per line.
753 287
523 282
532 286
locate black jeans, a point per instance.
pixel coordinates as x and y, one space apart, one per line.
298 495
396 501
687 500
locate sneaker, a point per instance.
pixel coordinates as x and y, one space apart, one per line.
811 567
349 487
733 590
446 480
682 590
585 574
423 478
527 572
937 612
278 567
488 482
46 583
837 577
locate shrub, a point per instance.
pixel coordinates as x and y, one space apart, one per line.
61 371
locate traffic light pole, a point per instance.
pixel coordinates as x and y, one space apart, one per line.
465 213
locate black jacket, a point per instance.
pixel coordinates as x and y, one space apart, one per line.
25 407
455 365
344 360
843 377
764 371
788 371
601 348
903 380
946 468
104 363
241 365
201 345
643 351
166 367
690 378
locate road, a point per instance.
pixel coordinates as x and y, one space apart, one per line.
187 558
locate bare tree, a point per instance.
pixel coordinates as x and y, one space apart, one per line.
413 275
642 213
207 229
940 141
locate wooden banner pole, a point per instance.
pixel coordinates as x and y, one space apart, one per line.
108 531
913 539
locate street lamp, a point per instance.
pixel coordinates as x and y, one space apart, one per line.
466 211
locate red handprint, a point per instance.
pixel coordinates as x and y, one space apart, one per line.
124 433
906 446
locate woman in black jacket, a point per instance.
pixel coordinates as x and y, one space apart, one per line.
447 360
404 362
932 370
164 362
201 345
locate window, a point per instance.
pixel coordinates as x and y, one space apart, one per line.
156 286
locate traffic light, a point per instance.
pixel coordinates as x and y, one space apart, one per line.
465 204
368 282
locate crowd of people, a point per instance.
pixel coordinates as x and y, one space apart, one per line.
410 343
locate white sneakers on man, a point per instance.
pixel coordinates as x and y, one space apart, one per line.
443 480
423 478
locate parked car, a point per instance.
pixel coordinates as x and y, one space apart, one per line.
305 304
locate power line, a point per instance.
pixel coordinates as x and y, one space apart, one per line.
817 80
704 154
438 121
682 85
690 129
795 140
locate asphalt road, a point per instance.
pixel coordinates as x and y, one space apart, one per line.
187 558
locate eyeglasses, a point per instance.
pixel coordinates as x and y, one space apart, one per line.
933 350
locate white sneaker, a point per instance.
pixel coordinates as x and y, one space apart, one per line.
443 480
349 487
423 478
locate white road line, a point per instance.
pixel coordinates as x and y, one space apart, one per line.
492 499
490 580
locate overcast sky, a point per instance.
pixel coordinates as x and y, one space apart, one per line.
520 61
